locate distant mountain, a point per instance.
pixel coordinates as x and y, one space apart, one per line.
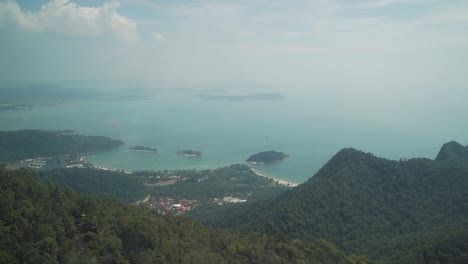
40 223
453 151
393 211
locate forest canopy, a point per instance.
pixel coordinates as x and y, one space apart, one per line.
26 144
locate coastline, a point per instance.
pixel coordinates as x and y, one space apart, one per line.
278 181
111 169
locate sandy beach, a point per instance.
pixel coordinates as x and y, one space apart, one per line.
279 181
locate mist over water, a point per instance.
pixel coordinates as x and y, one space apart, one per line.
229 131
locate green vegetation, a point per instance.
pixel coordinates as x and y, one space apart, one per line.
203 185
25 144
112 184
40 223
143 148
414 210
453 151
267 157
189 152
235 180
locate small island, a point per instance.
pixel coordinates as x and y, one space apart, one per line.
267 157
143 148
189 153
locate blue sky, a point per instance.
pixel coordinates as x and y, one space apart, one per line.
393 44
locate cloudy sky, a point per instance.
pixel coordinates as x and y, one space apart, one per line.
391 44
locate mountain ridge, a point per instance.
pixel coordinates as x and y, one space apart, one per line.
365 204
453 151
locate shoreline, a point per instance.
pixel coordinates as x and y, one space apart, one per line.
111 169
278 181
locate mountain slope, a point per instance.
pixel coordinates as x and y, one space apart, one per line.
368 205
41 223
453 151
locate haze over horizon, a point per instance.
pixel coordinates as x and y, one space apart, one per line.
400 65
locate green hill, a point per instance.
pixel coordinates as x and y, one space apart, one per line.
412 211
453 151
267 157
40 223
26 144
102 183
203 185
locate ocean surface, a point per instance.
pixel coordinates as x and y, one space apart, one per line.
227 132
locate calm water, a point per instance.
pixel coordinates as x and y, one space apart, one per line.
226 132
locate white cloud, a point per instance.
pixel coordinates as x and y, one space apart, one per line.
158 37
69 19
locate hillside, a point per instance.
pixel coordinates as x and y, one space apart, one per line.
394 211
203 187
40 223
102 183
453 151
27 144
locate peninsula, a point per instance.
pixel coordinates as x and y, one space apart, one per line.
267 157
143 148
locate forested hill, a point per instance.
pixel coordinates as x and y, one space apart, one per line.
40 223
453 151
412 211
25 144
102 183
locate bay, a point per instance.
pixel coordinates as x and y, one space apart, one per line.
225 131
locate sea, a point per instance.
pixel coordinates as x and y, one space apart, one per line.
227 130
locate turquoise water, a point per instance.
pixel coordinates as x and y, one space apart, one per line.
226 132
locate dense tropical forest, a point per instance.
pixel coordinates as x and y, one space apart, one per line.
409 211
234 180
202 185
41 223
267 156
453 151
26 144
103 183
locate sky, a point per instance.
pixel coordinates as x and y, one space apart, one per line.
382 61
296 43
382 50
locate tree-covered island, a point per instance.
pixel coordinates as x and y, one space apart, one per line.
189 153
143 148
267 157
